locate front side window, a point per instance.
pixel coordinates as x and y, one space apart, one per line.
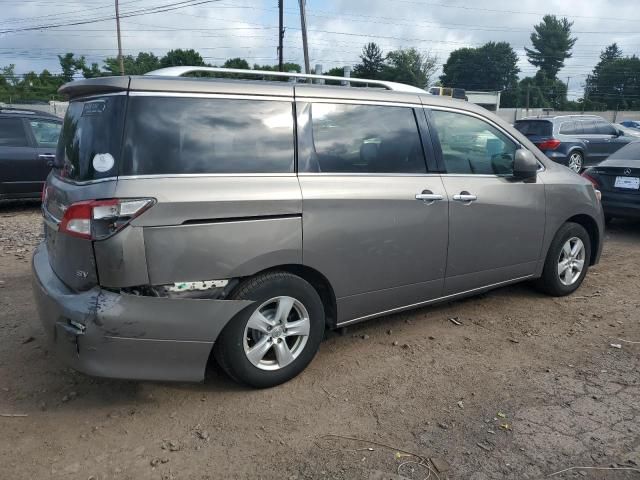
589 127
473 146
175 135
12 133
45 132
349 138
605 128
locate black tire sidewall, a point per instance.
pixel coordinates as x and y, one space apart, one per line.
550 279
261 289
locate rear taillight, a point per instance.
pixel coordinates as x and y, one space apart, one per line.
98 219
594 182
549 144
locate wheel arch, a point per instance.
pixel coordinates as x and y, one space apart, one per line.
591 226
318 281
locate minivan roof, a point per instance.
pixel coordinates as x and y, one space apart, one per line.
199 85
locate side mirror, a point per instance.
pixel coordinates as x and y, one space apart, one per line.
620 133
525 165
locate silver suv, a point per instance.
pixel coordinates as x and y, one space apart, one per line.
196 218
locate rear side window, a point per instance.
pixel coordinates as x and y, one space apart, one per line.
175 135
12 133
568 128
349 138
91 139
535 128
45 132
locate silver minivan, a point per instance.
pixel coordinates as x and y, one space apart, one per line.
188 219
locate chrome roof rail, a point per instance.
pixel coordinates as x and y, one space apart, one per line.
179 71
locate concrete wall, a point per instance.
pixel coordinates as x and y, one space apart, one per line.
513 114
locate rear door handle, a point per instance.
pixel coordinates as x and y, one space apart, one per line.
48 157
465 197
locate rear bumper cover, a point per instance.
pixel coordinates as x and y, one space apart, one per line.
621 205
107 334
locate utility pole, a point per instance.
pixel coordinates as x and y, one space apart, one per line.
303 25
280 34
528 88
120 59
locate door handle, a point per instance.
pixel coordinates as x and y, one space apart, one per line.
48 157
465 197
427 196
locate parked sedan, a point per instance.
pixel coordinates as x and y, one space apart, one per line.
631 124
618 178
28 142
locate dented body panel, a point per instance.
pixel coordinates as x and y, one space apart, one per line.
117 335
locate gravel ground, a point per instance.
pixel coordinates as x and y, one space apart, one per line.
525 386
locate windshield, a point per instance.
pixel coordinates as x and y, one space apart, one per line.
89 146
538 128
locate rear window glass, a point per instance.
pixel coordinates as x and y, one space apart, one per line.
538 128
89 146
176 135
630 151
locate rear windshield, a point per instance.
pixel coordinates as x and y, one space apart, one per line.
90 143
177 135
538 128
630 151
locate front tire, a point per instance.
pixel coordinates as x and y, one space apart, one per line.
274 339
567 261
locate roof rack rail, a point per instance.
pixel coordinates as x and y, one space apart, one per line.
178 71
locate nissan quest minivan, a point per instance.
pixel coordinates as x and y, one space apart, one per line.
190 219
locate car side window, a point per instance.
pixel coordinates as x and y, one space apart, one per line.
45 132
605 128
472 146
350 138
589 127
12 133
568 128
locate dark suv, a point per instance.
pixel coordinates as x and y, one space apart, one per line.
574 140
28 140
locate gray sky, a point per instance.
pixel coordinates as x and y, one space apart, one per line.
337 29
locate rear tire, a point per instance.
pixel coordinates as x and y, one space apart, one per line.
576 162
567 261
274 339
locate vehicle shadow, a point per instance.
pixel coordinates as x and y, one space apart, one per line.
8 207
623 229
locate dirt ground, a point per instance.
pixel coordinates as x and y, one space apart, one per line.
526 386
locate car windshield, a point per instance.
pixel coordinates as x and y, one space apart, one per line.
630 151
538 128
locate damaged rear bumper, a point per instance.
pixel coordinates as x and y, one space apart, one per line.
107 334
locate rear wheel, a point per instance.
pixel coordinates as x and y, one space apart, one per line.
576 162
275 339
567 261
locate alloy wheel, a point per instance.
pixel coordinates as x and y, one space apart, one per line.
575 162
276 333
571 261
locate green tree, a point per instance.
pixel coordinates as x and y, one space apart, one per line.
543 92
143 63
179 57
493 66
409 66
70 65
93 71
615 83
371 62
552 45
239 63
